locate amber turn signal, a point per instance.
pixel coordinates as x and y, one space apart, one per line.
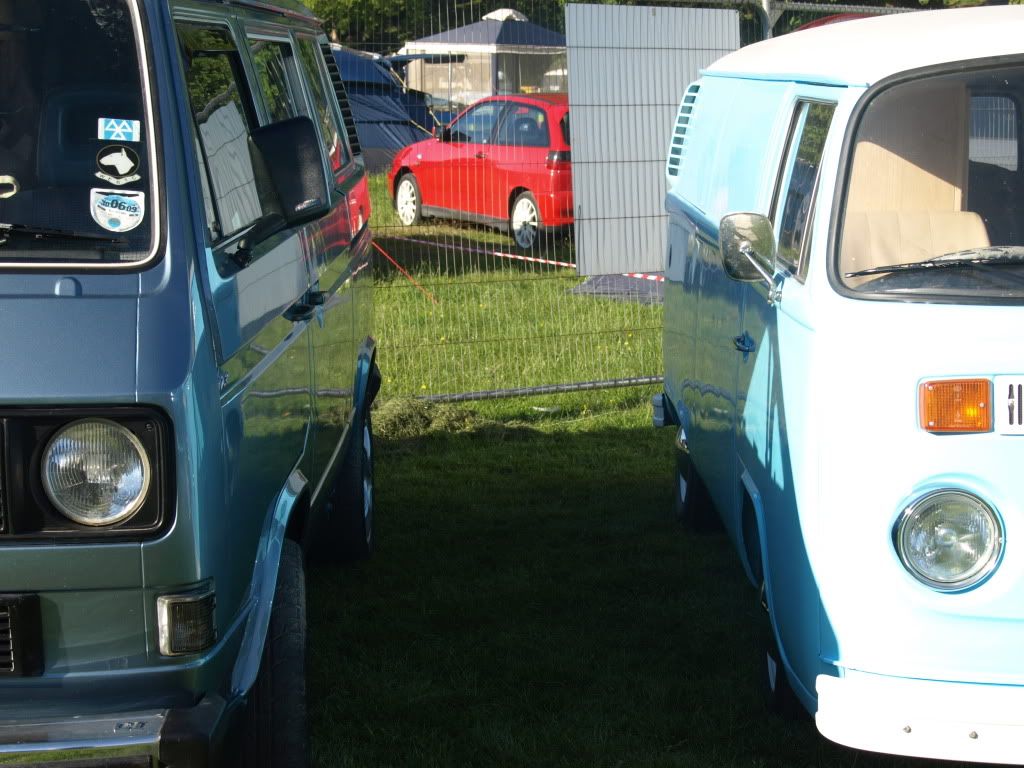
956 405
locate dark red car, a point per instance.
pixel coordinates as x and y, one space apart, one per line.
503 162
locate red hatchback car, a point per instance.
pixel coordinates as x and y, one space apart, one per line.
503 162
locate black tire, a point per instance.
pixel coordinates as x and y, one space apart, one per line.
350 533
524 222
779 695
408 201
693 508
276 726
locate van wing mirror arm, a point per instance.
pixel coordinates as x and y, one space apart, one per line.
264 227
755 261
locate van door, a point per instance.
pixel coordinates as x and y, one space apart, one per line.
263 349
720 319
773 388
329 246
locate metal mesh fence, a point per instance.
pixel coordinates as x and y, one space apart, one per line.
464 306
458 313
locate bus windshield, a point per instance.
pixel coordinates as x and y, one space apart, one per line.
934 205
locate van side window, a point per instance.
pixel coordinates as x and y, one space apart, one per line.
800 173
278 77
326 115
223 114
993 175
993 137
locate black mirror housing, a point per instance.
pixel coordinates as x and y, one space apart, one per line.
292 157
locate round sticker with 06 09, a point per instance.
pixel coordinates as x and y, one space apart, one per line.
117 210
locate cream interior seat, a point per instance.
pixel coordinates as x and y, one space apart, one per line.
884 238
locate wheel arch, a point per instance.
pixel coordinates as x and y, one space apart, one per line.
515 193
368 379
405 170
291 508
754 554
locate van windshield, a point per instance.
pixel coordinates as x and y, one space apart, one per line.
935 201
75 177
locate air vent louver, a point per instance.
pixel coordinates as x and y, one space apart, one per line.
677 149
342 94
21 641
6 641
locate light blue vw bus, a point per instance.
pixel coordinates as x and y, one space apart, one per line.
843 359
186 379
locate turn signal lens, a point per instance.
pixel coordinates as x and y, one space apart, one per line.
956 405
186 622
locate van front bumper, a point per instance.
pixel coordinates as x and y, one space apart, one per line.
923 718
185 738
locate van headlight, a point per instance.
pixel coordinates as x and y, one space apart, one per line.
949 540
96 472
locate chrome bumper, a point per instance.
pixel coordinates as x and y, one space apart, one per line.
179 737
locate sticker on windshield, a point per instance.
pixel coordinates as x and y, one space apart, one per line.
118 165
116 129
8 187
117 210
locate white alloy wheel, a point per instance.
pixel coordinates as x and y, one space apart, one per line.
407 201
525 220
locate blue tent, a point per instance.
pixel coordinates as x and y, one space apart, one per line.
387 117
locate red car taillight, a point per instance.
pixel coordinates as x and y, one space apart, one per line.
559 160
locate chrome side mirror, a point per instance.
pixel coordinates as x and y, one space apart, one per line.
748 247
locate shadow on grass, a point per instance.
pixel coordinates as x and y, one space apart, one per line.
532 603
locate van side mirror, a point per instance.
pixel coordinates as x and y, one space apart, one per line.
288 155
293 159
748 247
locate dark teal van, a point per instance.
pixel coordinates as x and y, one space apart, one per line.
187 375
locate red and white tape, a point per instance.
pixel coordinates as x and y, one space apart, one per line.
500 254
642 276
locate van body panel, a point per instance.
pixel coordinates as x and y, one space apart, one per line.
801 395
251 372
981 628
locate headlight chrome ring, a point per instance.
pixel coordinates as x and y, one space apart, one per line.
949 540
96 472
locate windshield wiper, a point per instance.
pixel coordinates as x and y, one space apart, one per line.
997 255
46 233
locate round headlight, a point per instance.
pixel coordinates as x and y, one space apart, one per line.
96 472
949 540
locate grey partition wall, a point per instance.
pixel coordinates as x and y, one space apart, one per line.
628 69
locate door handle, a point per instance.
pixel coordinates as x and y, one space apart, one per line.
298 312
743 343
481 155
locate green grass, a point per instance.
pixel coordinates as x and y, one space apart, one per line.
533 603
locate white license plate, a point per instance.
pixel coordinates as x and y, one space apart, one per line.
1008 403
